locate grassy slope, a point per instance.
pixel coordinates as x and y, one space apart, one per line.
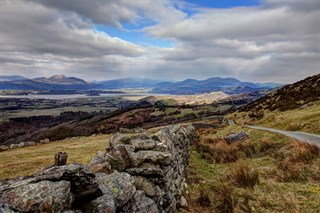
206 176
27 160
267 152
305 119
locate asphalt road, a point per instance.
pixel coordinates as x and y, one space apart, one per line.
300 136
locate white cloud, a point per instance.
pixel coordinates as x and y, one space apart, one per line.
276 41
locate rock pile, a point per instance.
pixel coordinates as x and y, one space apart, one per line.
138 173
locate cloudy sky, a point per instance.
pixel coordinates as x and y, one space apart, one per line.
252 40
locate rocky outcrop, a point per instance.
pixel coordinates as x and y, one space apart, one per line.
138 173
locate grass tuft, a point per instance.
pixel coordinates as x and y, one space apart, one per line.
219 151
204 199
243 176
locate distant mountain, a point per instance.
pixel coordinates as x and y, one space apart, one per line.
186 87
56 82
288 97
60 79
128 83
12 78
227 85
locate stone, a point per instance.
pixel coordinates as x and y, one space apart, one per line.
83 184
118 138
143 144
44 196
163 158
145 185
22 144
6 209
98 159
101 168
13 146
30 143
46 140
4 148
236 137
146 169
103 204
121 185
183 202
152 178
118 158
140 204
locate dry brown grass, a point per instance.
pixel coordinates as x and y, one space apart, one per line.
218 150
224 202
267 145
295 160
204 199
305 152
294 126
27 160
243 176
289 171
247 147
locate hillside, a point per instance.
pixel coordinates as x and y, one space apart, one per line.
227 85
186 87
264 171
288 97
143 114
56 82
11 78
128 83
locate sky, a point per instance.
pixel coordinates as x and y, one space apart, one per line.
252 40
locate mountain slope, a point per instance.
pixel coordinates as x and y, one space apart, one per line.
11 78
128 83
56 82
227 85
289 97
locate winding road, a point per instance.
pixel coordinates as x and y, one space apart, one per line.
300 136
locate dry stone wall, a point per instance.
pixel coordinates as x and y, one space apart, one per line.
138 173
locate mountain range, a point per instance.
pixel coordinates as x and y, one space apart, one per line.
186 87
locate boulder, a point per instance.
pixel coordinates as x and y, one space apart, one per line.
44 196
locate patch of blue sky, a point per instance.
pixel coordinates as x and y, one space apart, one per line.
132 33
225 3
